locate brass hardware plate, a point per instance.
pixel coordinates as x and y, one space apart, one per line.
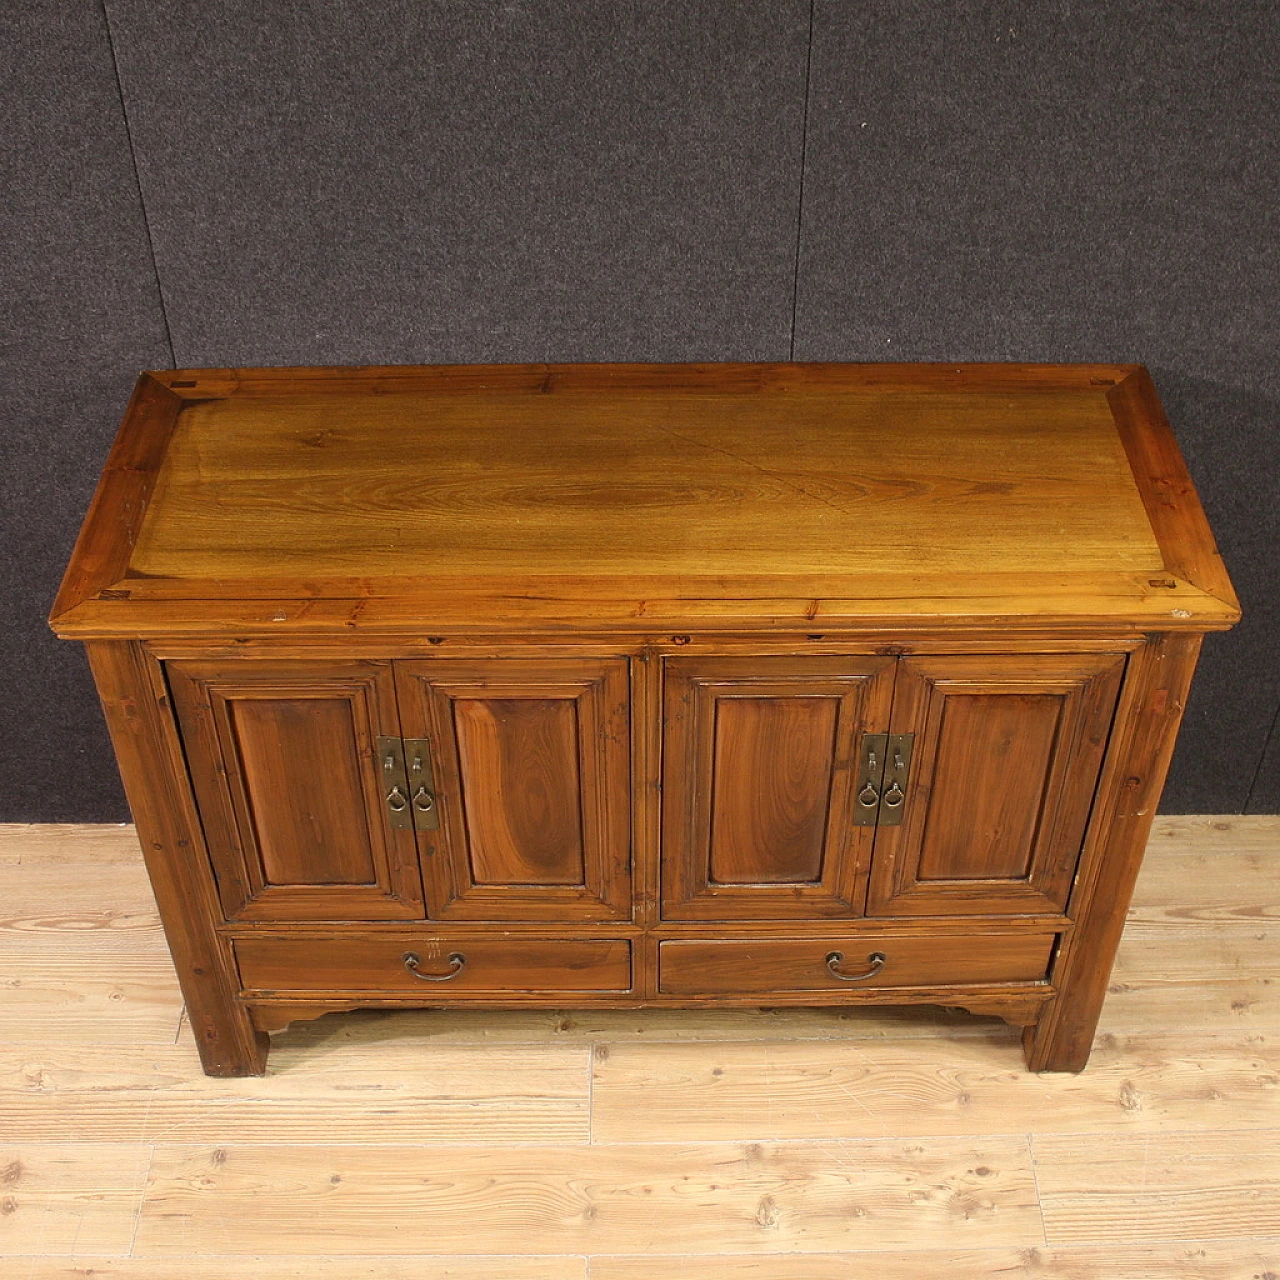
422 787
394 783
893 794
866 787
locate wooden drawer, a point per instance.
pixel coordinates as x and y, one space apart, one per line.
763 966
376 965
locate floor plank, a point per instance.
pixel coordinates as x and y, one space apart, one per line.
1159 1186
55 844
830 1143
116 987
1216 833
1211 978
308 1267
405 1093
67 1199
1229 1260
759 1198
1180 887
740 1092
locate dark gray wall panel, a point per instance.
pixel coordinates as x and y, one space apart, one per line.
1265 797
423 180
82 317
1062 181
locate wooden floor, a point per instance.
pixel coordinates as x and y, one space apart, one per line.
797 1145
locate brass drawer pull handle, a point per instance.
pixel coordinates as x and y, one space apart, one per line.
836 958
456 960
397 801
423 800
894 796
868 797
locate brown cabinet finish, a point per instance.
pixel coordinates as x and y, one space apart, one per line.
532 772
283 764
400 963
832 962
1008 749
631 684
758 770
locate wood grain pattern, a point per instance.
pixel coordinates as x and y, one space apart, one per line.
1201 1187
111 989
1172 504
766 1198
531 763
1007 754
386 1090
283 762
115 517
1157 1163
81 1200
1037 514
1232 887
778 966
523 795
1012 735
102 885
135 700
771 778
491 964
1213 980
311 1267
1147 721
758 772
1253 1259
831 469
731 1092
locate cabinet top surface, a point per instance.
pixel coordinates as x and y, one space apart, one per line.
314 500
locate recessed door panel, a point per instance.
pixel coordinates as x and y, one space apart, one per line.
757 785
282 759
1006 760
531 763
521 792
773 768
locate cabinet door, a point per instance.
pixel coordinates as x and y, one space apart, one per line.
531 767
282 758
1006 758
758 765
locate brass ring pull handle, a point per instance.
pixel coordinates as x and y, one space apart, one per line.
894 796
423 800
397 801
456 962
836 958
868 797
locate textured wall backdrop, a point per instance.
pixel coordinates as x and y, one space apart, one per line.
202 182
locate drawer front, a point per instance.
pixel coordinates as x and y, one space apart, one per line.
761 966
446 966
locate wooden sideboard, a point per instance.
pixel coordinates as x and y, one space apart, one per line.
631 685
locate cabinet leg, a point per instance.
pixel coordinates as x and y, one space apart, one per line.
136 703
1051 1045
231 1046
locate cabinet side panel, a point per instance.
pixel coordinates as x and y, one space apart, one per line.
150 758
1142 744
